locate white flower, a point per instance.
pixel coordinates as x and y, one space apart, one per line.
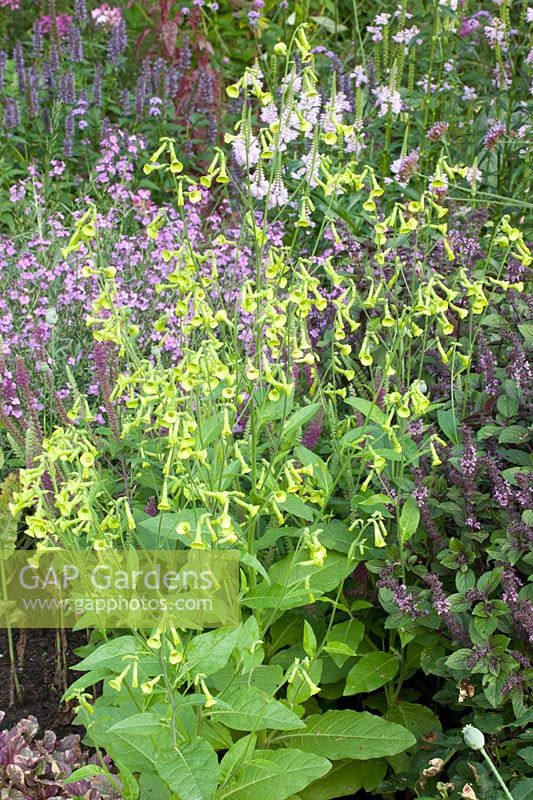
360 76
474 176
246 153
469 93
388 100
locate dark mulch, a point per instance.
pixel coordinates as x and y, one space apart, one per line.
42 681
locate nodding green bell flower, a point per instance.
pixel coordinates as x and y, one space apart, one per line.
443 354
209 699
462 313
116 683
233 89
435 460
380 531
154 158
445 325
303 45
448 249
473 737
387 320
148 686
163 504
154 641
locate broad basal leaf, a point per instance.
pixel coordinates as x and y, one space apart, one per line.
371 671
247 709
274 775
346 778
191 770
209 652
349 734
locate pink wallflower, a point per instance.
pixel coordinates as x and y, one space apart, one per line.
106 16
17 191
468 26
58 168
63 24
14 5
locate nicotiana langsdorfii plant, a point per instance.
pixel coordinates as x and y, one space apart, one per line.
352 418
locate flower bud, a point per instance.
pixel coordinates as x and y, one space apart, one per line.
473 737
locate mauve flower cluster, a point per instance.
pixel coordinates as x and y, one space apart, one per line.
47 86
61 23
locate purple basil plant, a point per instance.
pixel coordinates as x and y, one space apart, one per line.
36 768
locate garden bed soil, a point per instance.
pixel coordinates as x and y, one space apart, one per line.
41 683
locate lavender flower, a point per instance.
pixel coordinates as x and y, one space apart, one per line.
97 85
80 10
3 62
125 102
405 167
68 143
117 42
33 81
67 90
400 594
521 611
151 507
313 431
467 477
20 67
37 40
487 363
442 607
75 45
493 135
102 356
11 113
501 489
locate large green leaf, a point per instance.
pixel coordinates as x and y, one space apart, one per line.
209 652
349 734
191 770
409 519
369 410
346 778
247 709
343 640
418 719
289 572
265 677
110 654
300 418
371 671
137 741
274 775
277 596
242 750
